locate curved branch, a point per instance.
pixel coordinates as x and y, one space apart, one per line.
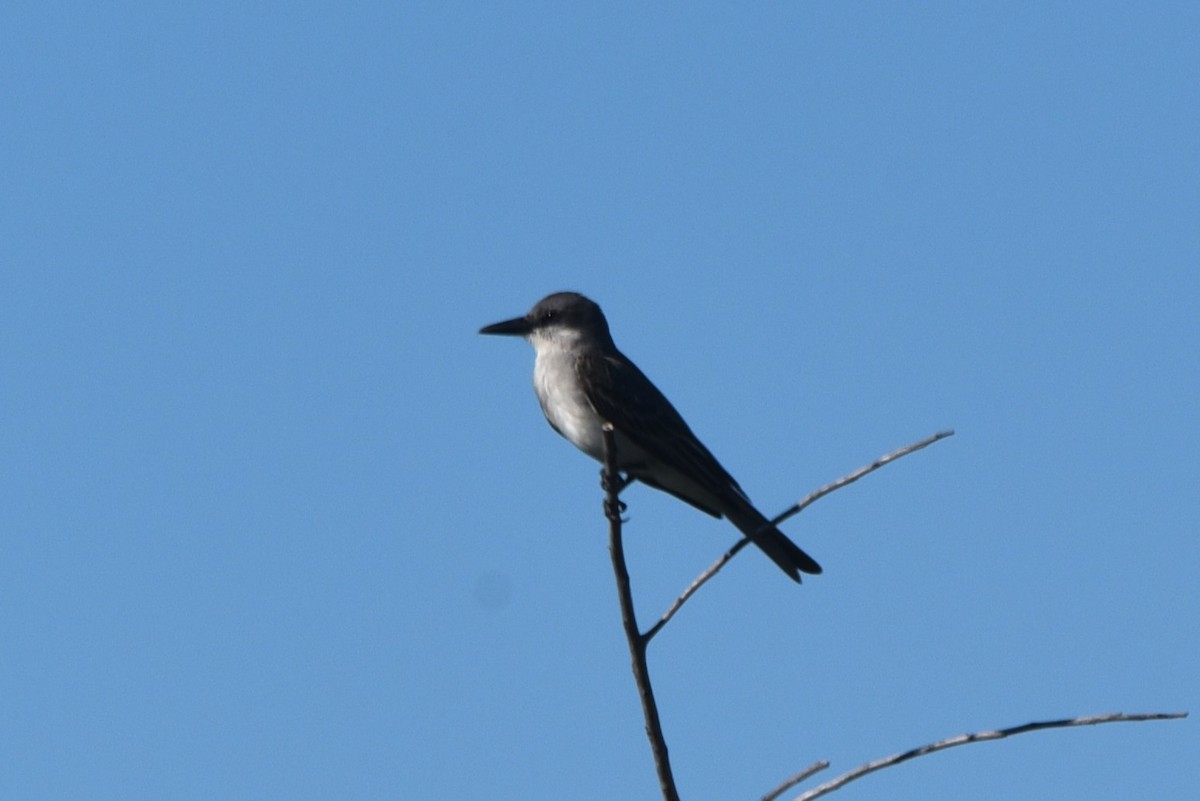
977 737
789 783
817 495
791 511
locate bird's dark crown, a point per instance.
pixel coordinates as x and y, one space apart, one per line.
567 308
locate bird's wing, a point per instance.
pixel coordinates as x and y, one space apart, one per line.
622 395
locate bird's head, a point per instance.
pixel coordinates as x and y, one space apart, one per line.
561 318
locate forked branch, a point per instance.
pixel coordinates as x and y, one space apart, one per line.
614 482
951 742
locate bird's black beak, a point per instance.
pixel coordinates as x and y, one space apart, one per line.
519 327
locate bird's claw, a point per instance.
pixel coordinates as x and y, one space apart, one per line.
615 511
614 484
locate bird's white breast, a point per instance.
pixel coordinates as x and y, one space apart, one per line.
563 400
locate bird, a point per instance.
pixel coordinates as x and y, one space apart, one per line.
583 381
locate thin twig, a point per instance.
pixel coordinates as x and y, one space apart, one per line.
857 474
788 784
977 737
795 509
696 584
613 483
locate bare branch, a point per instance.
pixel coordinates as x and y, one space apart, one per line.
788 784
696 584
613 484
859 473
977 737
795 509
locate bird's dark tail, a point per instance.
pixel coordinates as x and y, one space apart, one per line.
773 542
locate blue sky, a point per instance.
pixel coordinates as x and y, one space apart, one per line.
277 523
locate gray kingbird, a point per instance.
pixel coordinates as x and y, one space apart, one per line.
583 381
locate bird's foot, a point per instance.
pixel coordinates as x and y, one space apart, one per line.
614 484
614 507
615 511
